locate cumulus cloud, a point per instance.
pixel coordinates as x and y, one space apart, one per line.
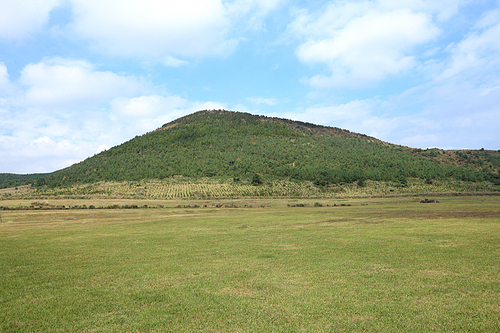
66 83
361 42
145 106
165 32
19 155
154 29
21 18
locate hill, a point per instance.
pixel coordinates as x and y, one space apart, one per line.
14 180
219 143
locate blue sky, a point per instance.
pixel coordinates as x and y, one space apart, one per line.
80 76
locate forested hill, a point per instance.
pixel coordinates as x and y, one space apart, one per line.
12 180
220 143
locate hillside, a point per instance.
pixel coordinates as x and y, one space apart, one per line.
13 180
222 144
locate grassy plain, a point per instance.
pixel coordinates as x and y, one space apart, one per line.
378 265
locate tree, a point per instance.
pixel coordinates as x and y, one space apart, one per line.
256 179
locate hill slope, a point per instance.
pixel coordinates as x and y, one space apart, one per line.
220 143
13 180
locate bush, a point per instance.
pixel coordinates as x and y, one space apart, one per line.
256 179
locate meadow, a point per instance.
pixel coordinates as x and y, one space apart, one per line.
253 265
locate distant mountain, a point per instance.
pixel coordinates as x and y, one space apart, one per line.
219 143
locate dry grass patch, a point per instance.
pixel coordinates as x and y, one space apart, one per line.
239 291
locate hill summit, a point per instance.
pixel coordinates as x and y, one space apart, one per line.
220 143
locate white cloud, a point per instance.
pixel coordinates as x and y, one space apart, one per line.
4 76
174 62
153 29
5 84
146 106
64 83
141 114
21 18
166 32
251 12
479 53
490 18
355 116
361 42
441 9
18 155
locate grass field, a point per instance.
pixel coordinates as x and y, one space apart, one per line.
378 265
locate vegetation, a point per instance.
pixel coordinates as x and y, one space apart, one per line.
220 144
12 180
294 265
207 188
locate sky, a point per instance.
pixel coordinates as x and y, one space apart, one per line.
81 76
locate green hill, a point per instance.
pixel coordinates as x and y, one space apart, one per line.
13 180
219 143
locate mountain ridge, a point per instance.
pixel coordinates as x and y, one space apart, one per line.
295 124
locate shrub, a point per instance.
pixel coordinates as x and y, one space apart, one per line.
256 179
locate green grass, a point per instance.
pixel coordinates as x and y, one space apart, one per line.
378 265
